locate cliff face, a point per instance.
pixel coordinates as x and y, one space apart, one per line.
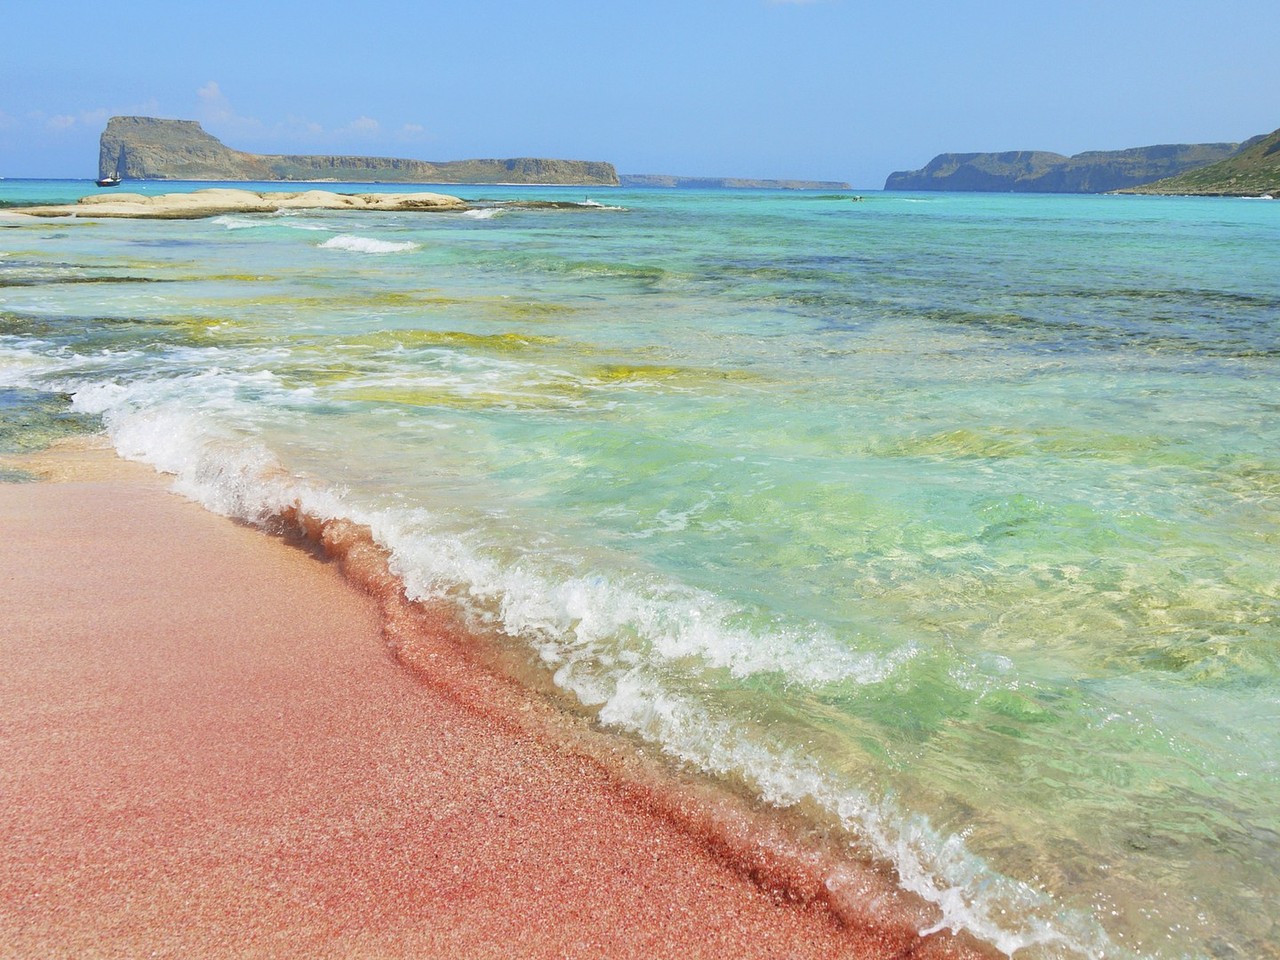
1252 172
1033 171
148 148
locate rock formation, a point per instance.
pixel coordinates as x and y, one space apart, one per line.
149 148
1034 171
220 200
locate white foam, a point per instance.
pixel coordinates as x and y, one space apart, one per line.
356 244
482 213
236 223
277 219
969 895
614 642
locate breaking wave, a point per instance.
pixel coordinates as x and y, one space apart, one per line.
570 624
354 244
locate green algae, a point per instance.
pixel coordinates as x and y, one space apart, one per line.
97 331
36 280
417 339
539 397
617 373
1000 443
31 420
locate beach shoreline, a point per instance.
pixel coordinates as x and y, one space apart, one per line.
186 780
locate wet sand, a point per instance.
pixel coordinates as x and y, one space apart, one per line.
180 777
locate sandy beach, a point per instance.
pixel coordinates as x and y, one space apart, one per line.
209 750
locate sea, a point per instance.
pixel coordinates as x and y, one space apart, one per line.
952 520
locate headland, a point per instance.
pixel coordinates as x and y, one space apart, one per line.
1040 171
1254 171
152 148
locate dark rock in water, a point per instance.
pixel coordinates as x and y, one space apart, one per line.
149 148
1036 171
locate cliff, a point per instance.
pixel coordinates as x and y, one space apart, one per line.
729 183
148 148
1034 171
1252 172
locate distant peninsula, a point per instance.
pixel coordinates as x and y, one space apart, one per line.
724 183
1254 171
1036 171
150 148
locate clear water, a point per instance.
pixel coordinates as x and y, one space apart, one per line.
953 517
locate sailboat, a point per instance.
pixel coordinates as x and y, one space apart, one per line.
111 181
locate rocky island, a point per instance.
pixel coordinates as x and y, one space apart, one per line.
1037 171
149 148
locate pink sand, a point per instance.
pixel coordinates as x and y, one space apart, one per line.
206 750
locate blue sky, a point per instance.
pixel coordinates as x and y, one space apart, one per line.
821 89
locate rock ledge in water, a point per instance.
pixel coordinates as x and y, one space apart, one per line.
220 200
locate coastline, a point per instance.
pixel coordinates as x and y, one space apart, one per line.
222 745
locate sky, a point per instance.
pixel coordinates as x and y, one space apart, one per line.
812 89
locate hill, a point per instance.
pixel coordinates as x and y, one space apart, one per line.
149 148
1252 172
1036 171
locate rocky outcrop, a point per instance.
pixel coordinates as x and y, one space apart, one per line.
1034 171
220 200
1252 172
149 148
727 183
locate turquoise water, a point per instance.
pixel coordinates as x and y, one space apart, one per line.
953 518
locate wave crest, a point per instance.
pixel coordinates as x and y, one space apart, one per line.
354 244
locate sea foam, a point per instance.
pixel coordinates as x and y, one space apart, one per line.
569 623
279 219
356 244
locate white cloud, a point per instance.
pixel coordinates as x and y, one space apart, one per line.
214 109
360 127
219 116
214 104
92 119
97 117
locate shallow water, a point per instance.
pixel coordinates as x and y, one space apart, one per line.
949 517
